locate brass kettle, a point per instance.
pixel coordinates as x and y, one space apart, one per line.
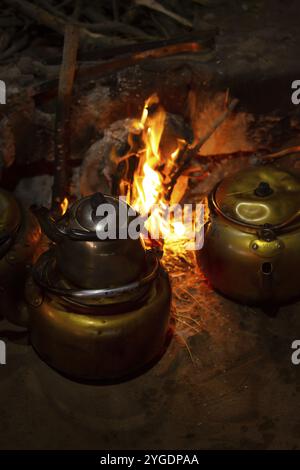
251 249
19 236
98 309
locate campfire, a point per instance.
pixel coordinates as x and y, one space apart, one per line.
136 120
151 185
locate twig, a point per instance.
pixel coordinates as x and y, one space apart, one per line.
14 48
281 153
159 26
39 14
154 5
131 59
180 315
115 27
187 346
62 125
103 26
191 295
192 327
215 126
91 71
49 7
206 40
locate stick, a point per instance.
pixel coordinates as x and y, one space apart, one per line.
128 60
282 153
103 26
261 153
154 5
206 40
114 27
187 152
62 124
215 126
85 71
91 70
39 14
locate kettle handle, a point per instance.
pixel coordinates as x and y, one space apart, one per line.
48 224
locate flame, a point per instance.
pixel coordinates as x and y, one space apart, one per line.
151 176
64 206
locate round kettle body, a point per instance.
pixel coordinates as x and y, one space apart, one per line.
98 309
20 234
251 249
98 338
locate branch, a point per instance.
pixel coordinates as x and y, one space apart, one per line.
89 71
215 126
62 124
282 153
102 26
154 5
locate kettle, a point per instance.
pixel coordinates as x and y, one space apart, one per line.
19 236
251 250
98 308
80 257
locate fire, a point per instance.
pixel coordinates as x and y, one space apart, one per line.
149 189
64 206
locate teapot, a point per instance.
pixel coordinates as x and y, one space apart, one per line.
251 250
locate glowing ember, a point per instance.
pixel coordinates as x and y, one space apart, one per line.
149 191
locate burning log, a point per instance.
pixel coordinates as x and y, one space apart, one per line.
108 160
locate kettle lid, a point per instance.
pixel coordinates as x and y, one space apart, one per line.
83 219
258 196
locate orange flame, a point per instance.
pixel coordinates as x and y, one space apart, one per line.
152 174
64 206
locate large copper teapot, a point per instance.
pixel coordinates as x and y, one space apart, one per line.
251 249
98 308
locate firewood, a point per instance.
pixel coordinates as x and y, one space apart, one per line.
58 24
154 5
103 25
282 153
15 47
115 27
62 124
206 39
88 71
